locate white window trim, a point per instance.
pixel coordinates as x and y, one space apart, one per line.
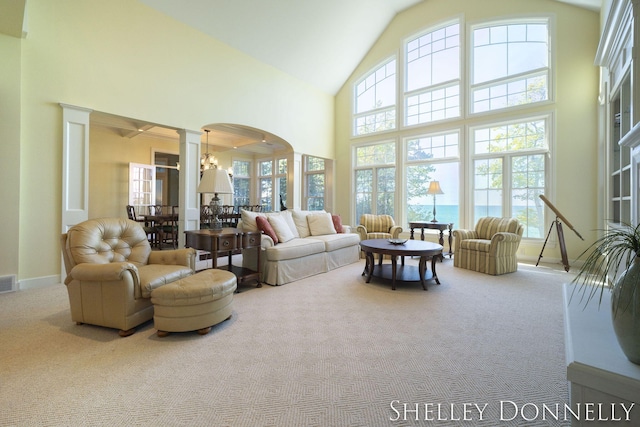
403 94
468 55
354 96
470 158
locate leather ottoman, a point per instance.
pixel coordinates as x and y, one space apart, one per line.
194 303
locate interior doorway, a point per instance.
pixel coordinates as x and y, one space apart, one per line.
167 180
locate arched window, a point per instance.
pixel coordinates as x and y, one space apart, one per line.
375 100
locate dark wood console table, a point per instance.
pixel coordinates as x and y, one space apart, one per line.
226 241
441 226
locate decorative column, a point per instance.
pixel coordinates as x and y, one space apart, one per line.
189 177
75 167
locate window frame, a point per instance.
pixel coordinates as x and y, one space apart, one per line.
507 165
375 111
374 183
434 161
442 85
550 69
307 173
238 176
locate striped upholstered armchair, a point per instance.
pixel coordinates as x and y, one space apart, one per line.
490 248
378 227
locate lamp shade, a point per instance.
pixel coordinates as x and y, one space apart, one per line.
215 181
434 188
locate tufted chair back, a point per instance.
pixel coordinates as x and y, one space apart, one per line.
106 240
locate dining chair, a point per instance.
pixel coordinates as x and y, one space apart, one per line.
152 232
166 221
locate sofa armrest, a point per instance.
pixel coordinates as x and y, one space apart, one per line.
102 272
186 257
346 229
460 235
395 231
266 242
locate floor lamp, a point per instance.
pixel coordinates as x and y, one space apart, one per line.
434 188
215 181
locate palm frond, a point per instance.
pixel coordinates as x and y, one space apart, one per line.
606 258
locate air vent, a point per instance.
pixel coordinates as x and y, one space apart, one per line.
8 283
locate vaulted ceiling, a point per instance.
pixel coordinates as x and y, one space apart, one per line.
319 42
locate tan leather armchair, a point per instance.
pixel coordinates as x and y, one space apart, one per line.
111 271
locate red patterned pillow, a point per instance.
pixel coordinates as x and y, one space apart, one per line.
337 223
264 226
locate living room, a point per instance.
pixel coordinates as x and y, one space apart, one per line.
127 59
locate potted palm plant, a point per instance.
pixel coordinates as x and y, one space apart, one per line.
616 256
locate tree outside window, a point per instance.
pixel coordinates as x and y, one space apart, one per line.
375 100
315 182
265 183
241 183
509 173
375 178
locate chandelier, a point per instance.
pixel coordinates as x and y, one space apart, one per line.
208 160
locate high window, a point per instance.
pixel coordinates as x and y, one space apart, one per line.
375 100
432 84
510 65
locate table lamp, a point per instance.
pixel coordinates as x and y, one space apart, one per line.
434 188
216 181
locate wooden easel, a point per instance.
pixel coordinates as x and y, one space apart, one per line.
558 225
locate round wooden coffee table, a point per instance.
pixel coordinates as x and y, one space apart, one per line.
425 250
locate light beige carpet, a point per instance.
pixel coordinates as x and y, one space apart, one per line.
330 350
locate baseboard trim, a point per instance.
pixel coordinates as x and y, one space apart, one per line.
38 282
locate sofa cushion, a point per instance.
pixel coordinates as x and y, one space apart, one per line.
265 226
333 242
320 224
281 228
296 248
153 276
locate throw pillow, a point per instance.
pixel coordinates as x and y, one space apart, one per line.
320 224
288 217
264 226
300 221
280 227
249 220
337 223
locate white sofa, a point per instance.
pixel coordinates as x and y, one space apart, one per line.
307 244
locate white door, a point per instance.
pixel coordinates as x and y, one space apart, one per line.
142 187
